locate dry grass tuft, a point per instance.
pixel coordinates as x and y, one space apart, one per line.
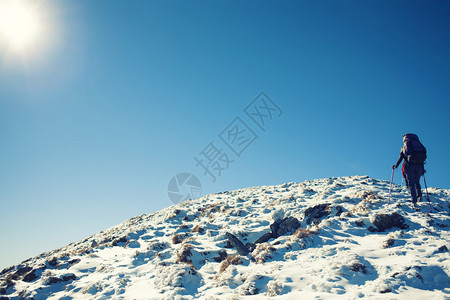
368 199
304 233
370 195
198 229
230 260
178 238
184 254
209 210
263 252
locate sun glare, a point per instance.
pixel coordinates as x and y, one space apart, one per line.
21 25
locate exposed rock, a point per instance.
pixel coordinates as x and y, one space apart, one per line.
388 243
443 249
9 282
51 280
2 291
316 212
358 267
73 262
68 277
384 221
221 257
284 226
21 271
157 246
120 240
264 238
339 210
64 278
278 228
228 245
250 246
237 244
6 270
29 277
53 262
359 223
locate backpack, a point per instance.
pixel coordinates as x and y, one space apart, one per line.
413 149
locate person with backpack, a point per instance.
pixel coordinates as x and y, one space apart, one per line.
413 154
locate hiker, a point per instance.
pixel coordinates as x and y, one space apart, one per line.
413 154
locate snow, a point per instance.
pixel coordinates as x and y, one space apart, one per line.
175 253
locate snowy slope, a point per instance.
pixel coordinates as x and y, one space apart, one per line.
183 252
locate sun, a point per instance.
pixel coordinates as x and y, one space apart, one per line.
21 25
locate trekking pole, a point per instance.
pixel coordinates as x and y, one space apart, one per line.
426 190
390 187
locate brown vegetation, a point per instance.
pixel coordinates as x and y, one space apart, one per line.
230 260
303 233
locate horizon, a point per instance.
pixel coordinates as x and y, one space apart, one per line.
105 104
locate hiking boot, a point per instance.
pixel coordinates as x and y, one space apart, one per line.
415 207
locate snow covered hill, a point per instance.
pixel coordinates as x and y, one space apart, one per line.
331 238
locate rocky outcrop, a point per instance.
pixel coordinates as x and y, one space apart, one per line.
279 228
383 222
64 278
237 244
316 212
284 226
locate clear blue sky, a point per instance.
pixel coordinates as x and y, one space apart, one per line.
92 132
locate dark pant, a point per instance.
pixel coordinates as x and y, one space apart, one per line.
413 173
